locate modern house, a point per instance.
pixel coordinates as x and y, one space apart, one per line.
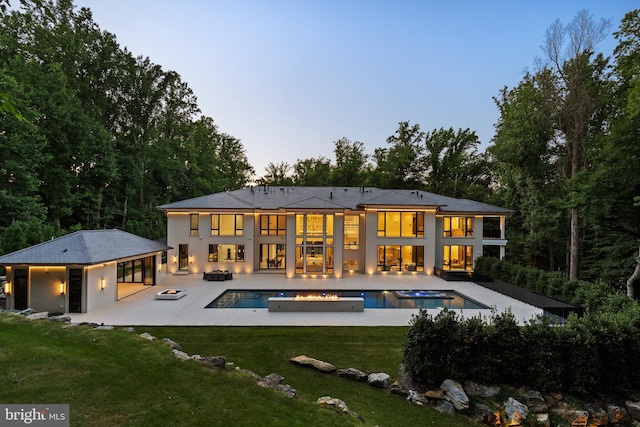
82 271
330 231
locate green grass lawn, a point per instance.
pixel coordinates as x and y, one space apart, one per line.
114 378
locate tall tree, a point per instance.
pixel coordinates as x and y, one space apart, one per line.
312 172
569 50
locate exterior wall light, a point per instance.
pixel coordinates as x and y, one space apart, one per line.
61 288
103 284
7 288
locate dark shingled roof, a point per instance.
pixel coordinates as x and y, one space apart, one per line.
331 198
85 247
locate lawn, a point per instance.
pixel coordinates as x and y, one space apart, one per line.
115 378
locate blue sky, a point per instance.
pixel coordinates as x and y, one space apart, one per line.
288 78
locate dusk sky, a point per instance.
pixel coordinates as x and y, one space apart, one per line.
288 78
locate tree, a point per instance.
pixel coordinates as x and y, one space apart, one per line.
399 165
277 174
312 172
575 89
351 163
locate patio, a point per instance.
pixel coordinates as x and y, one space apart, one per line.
143 309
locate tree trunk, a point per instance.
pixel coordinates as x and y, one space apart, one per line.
573 246
634 276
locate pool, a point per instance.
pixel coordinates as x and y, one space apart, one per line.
372 299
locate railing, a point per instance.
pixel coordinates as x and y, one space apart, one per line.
555 309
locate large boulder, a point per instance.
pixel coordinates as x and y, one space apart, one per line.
378 379
214 361
337 403
516 412
352 374
455 394
313 363
479 390
634 409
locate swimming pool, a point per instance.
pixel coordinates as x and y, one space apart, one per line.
414 299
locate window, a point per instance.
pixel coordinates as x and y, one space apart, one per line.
314 243
352 232
457 258
227 224
458 226
273 225
273 256
226 253
401 224
193 224
400 258
136 271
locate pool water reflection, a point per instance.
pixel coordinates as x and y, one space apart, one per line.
411 299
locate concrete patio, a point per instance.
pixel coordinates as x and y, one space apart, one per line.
143 309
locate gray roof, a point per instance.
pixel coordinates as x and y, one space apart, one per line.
85 247
329 198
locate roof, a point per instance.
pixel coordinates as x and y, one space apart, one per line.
330 198
85 247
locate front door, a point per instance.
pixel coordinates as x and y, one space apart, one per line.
21 289
183 257
75 290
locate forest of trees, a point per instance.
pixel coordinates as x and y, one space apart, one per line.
93 137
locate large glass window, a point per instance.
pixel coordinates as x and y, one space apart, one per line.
314 243
272 256
352 232
458 226
226 253
273 225
227 224
400 258
457 258
136 271
401 224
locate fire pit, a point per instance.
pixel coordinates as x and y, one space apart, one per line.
325 302
171 294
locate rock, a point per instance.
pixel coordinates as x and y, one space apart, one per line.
330 401
550 400
446 407
352 374
313 363
397 389
104 328
516 412
174 345
180 355
616 414
27 311
634 409
406 380
130 329
435 394
378 379
147 336
287 390
60 318
251 373
475 389
542 420
483 414
531 394
271 380
556 396
417 398
214 361
456 395
580 419
38 316
599 417
196 357
538 407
